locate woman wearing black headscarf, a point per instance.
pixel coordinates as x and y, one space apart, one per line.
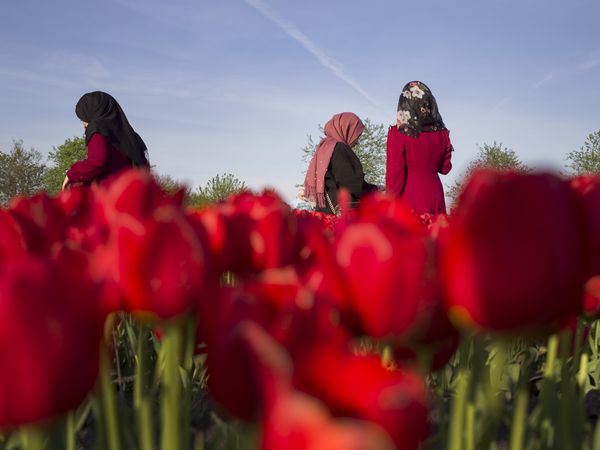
112 143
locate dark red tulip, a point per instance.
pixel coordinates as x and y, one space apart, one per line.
588 191
50 330
232 382
515 258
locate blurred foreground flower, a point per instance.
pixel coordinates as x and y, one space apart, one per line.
515 259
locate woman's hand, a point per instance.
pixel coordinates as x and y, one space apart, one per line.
65 184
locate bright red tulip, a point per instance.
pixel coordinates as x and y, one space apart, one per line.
154 255
159 265
515 258
380 207
297 421
12 241
360 387
263 228
42 222
389 278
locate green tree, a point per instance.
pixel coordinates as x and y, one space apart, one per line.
370 150
21 172
587 158
493 156
217 189
169 184
61 158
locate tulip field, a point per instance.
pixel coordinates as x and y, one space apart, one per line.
129 321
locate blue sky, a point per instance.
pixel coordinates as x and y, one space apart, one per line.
236 85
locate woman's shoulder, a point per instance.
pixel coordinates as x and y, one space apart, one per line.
98 138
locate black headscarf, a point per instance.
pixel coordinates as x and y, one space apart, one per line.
418 111
104 115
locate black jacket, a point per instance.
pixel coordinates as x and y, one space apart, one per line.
345 170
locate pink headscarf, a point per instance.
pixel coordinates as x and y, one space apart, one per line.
344 127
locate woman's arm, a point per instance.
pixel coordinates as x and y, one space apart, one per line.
395 164
446 163
89 169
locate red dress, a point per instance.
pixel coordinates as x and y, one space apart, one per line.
103 163
412 169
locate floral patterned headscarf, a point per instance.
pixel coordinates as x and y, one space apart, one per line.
418 111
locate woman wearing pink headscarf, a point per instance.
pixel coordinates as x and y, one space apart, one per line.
334 165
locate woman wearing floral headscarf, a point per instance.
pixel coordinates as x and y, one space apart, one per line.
418 148
335 165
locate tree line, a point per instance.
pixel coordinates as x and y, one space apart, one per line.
24 172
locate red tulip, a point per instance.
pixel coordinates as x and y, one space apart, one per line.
588 191
263 228
159 264
280 304
231 380
12 241
211 223
50 330
86 224
42 223
395 400
294 420
515 256
380 207
591 303
389 278
154 255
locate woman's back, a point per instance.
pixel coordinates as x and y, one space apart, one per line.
413 164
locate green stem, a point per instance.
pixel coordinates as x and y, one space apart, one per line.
457 415
551 357
567 404
199 441
517 434
548 394
142 397
582 375
32 439
109 403
70 431
171 388
188 369
470 426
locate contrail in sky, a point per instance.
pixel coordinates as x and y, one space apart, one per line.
324 59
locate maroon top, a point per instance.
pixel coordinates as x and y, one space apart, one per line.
412 168
103 162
